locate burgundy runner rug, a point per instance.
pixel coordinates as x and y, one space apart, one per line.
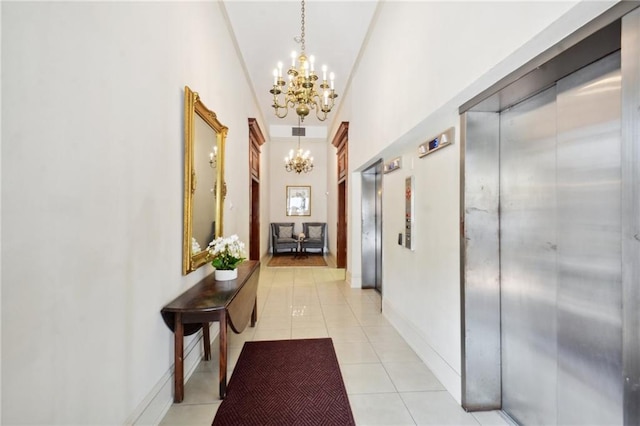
286 382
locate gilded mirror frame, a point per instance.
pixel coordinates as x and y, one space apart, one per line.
193 105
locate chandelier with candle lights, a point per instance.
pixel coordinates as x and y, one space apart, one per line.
302 162
299 90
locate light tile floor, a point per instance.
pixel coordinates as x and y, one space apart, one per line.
386 381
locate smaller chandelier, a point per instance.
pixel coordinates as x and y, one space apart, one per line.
213 157
300 91
302 162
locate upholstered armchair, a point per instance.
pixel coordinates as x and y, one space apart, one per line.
314 235
283 237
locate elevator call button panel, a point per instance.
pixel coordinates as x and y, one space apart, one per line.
409 203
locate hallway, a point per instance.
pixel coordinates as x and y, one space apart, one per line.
387 383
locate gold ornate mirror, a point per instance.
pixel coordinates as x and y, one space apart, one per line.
204 140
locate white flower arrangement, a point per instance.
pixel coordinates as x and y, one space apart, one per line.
195 247
227 253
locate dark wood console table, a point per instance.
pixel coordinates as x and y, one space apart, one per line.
232 303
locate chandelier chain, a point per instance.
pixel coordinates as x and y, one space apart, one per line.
302 28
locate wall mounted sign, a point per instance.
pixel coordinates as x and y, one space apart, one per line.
443 139
392 165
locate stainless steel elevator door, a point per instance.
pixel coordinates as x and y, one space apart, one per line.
589 246
528 259
560 251
372 227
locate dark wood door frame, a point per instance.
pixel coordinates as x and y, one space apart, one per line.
341 141
256 139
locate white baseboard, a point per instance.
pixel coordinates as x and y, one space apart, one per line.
449 378
330 258
157 403
354 280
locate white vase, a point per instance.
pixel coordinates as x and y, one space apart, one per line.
225 275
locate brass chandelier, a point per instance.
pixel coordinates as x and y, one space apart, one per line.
301 162
300 91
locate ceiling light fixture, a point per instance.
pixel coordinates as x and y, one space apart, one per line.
301 90
301 162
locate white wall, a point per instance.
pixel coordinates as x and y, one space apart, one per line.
280 179
422 61
92 177
332 197
1 275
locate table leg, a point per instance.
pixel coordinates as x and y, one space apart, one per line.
223 355
178 395
295 256
207 341
302 251
254 313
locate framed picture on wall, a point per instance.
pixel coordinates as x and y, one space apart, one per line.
298 200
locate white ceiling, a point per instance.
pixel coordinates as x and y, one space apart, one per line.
265 31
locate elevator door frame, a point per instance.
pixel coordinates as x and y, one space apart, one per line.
480 276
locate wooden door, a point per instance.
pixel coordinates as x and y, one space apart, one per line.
254 237
341 255
256 139
340 141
